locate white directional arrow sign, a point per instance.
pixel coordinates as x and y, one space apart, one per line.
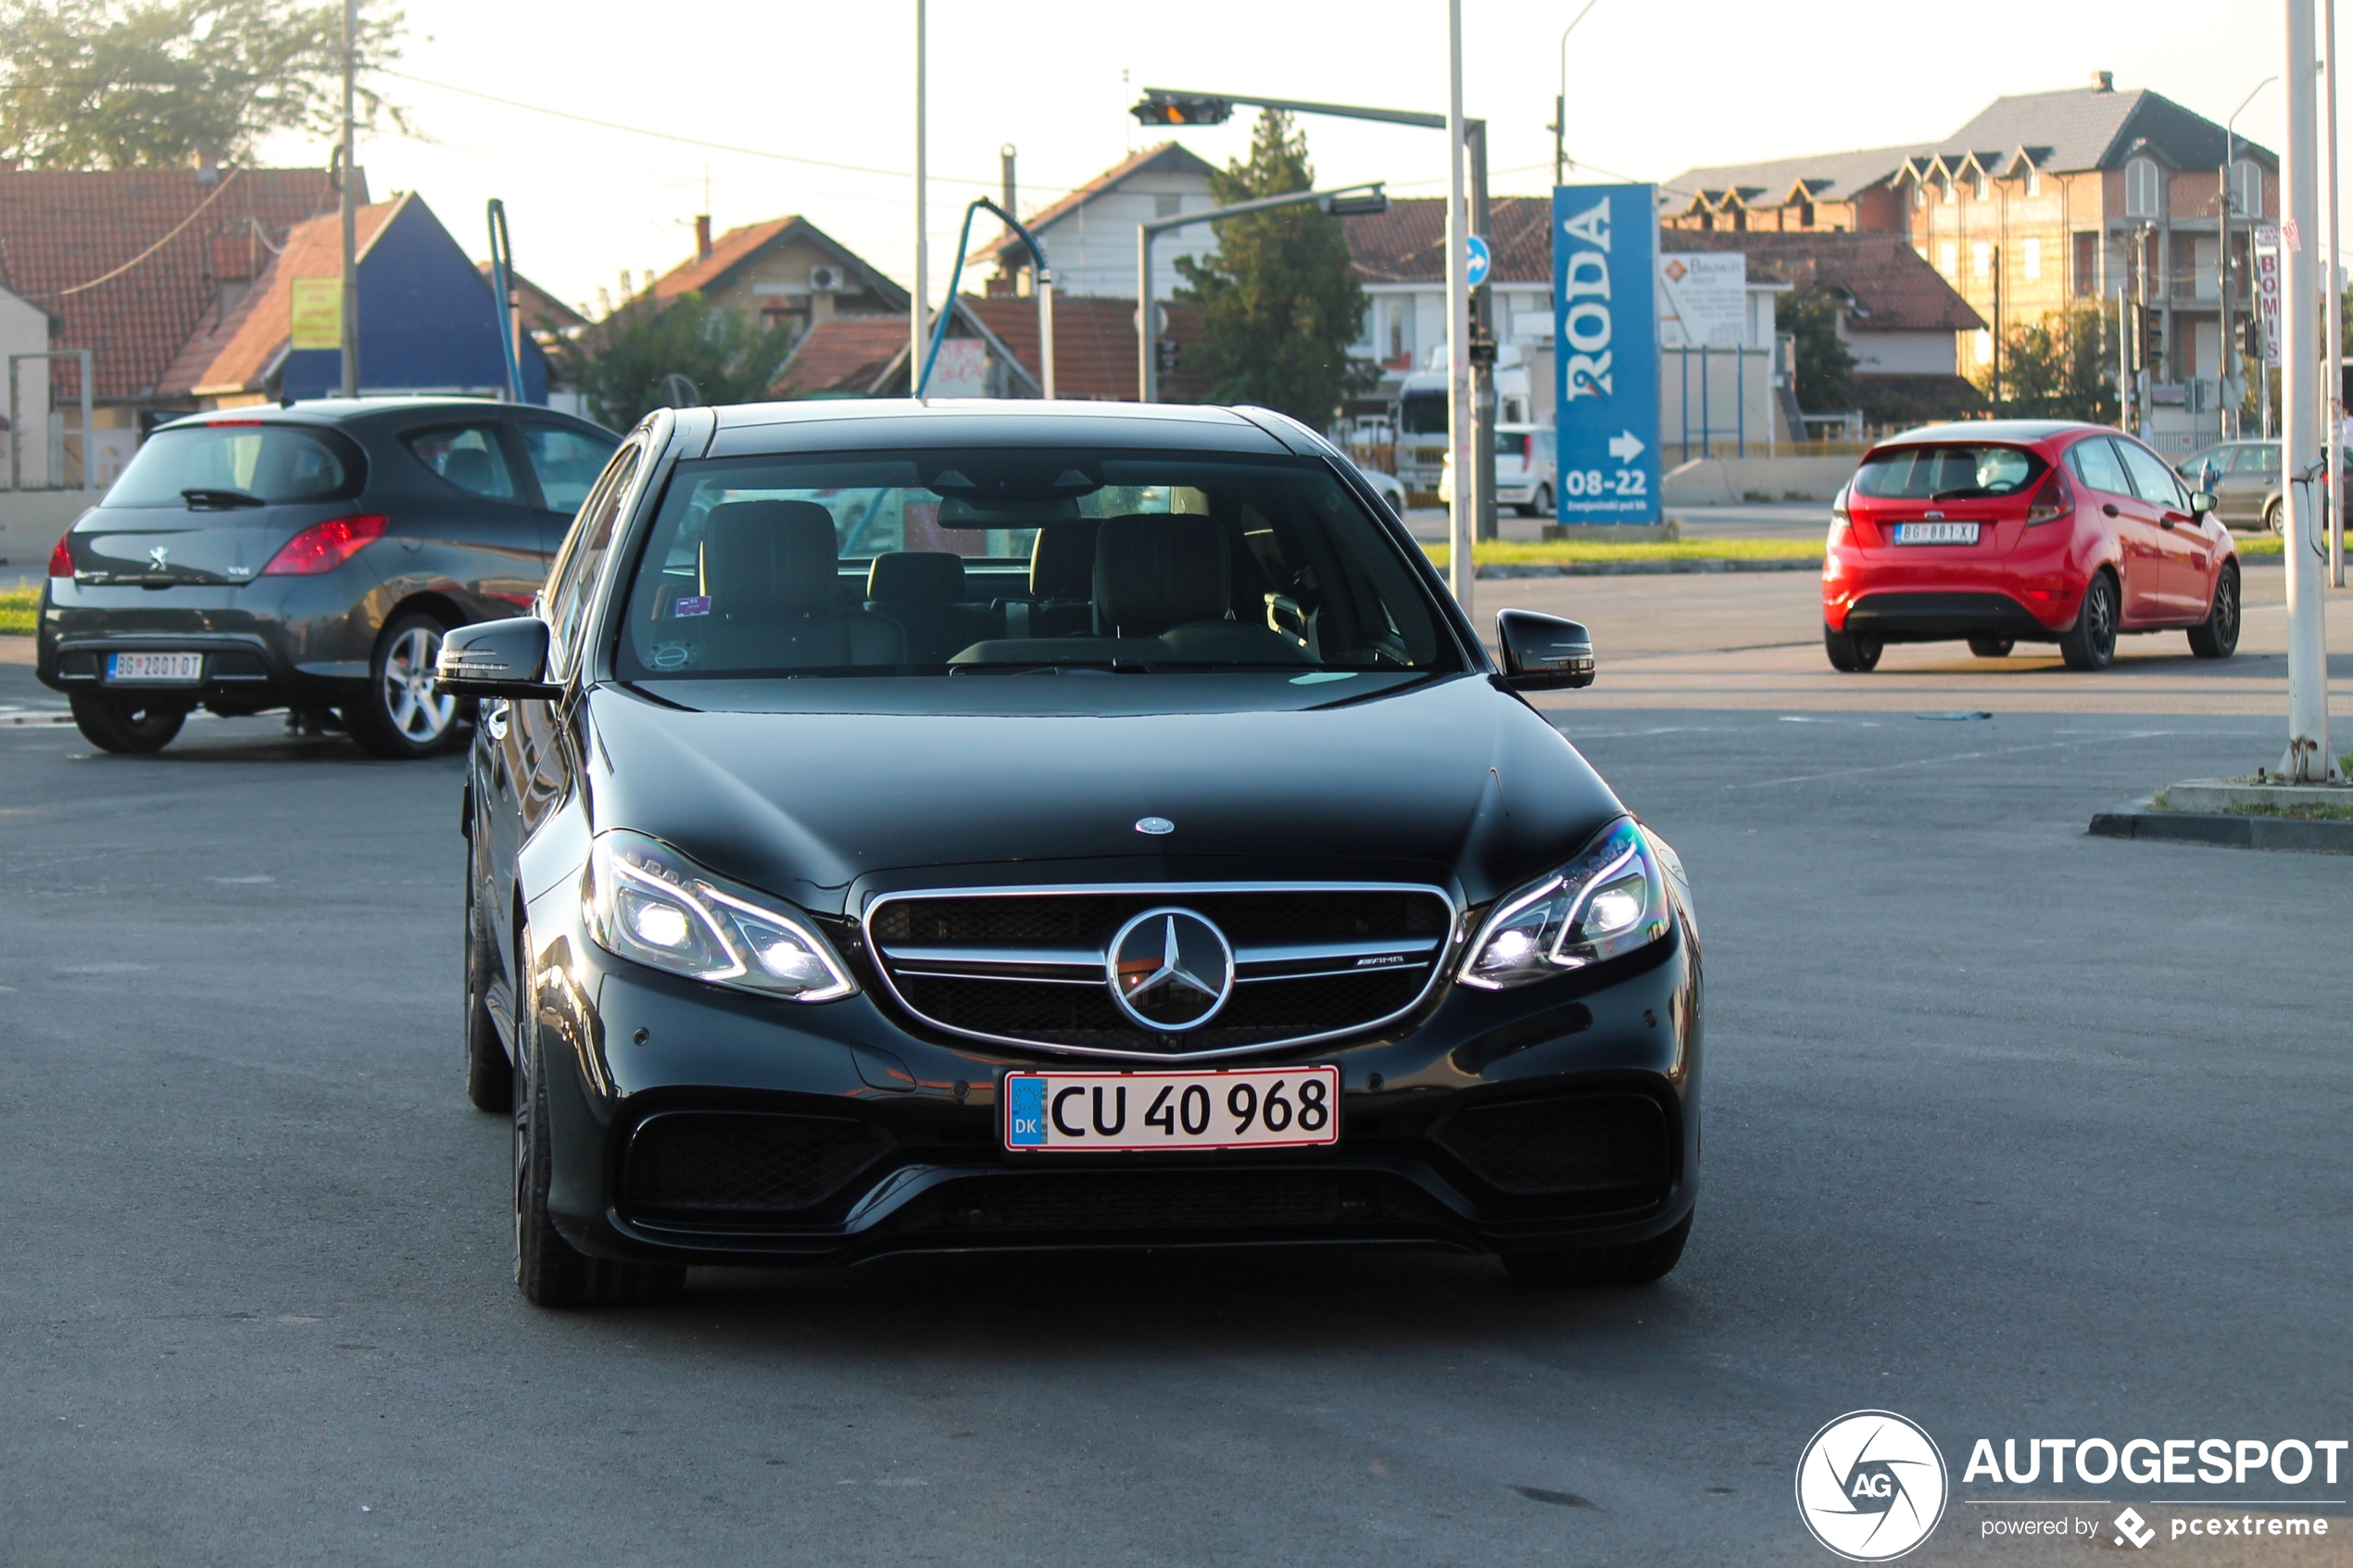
1625 447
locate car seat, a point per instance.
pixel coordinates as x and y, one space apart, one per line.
771 576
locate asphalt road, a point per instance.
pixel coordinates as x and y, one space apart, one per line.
2014 1131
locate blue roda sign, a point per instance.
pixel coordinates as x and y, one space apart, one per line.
1605 352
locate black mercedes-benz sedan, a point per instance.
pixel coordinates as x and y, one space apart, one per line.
309 557
909 828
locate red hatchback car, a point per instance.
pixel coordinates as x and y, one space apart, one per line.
2002 531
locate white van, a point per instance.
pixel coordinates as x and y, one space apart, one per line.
1526 467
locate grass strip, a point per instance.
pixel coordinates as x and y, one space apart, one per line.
1526 552
19 605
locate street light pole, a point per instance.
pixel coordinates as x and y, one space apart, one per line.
350 204
2231 355
1560 104
1461 524
916 323
2334 495
2307 759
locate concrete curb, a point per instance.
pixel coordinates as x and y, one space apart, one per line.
2227 830
1643 568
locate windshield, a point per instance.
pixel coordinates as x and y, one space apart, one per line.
1422 413
1001 561
230 463
1946 473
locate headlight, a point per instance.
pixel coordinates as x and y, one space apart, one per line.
1608 901
647 903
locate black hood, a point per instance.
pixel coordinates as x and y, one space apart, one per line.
1008 779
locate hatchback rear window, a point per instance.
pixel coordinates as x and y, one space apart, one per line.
236 464
1947 473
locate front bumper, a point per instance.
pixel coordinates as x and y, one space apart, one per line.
691 1124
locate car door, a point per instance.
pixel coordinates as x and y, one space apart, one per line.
2139 559
2238 491
473 522
2179 540
564 461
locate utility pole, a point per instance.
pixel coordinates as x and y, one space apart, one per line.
916 323
1482 346
1997 331
1460 526
2335 492
350 194
2307 759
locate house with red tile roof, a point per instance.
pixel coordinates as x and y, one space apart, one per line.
865 356
785 270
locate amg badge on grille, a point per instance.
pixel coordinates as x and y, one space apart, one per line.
1170 970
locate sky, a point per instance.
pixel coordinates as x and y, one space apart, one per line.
1654 89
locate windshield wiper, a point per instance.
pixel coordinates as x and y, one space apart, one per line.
203 498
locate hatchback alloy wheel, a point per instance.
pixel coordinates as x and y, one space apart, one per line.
401 715
2217 635
2090 644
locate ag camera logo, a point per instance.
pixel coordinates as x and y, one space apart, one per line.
1871 1486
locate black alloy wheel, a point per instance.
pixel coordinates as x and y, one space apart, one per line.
1852 653
1991 648
490 1077
2217 636
1637 1262
548 1271
132 725
398 716
2090 644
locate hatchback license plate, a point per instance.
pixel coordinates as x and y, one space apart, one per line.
1936 533
1233 1108
178 669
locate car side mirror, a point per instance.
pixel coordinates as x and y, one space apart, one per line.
496 659
2201 502
1543 653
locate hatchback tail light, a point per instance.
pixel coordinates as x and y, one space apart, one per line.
1526 448
323 547
2052 502
61 558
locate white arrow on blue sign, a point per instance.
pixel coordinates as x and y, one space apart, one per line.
1481 258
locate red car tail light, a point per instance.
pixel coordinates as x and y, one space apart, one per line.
2052 502
323 547
61 558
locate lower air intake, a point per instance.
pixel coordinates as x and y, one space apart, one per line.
688 1164
1588 1145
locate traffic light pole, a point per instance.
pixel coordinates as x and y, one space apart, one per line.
2308 759
1148 308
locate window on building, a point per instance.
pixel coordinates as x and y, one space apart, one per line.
2247 188
1981 258
2143 189
1948 259
2033 181
1805 215
1983 342
1984 188
2088 262
2030 259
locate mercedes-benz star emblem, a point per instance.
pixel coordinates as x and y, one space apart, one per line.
1154 825
1170 970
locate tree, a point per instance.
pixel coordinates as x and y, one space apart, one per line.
622 362
1824 368
1277 304
2062 367
165 83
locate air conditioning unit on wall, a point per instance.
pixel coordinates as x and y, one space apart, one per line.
828 280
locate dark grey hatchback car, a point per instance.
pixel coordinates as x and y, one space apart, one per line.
308 557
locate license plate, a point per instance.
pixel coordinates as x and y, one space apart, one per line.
1936 533
1235 1108
183 668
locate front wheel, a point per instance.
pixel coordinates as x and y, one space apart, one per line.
2090 644
1541 505
399 716
1852 653
1637 1262
2217 635
132 726
2275 519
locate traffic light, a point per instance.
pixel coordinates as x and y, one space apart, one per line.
1166 353
1158 107
2251 338
2152 338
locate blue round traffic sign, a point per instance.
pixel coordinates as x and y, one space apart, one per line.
1480 260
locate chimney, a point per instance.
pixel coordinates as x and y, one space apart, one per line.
2103 82
702 236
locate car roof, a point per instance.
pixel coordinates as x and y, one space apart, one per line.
353 410
833 424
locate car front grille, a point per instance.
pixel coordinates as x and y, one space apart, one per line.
1145 1202
736 1165
1023 967
1591 1145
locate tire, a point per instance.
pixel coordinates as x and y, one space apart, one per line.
1991 648
2090 644
128 726
1852 653
2274 515
397 716
490 1077
548 1271
1539 504
2217 636
1638 1262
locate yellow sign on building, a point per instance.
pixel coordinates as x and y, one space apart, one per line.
317 313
